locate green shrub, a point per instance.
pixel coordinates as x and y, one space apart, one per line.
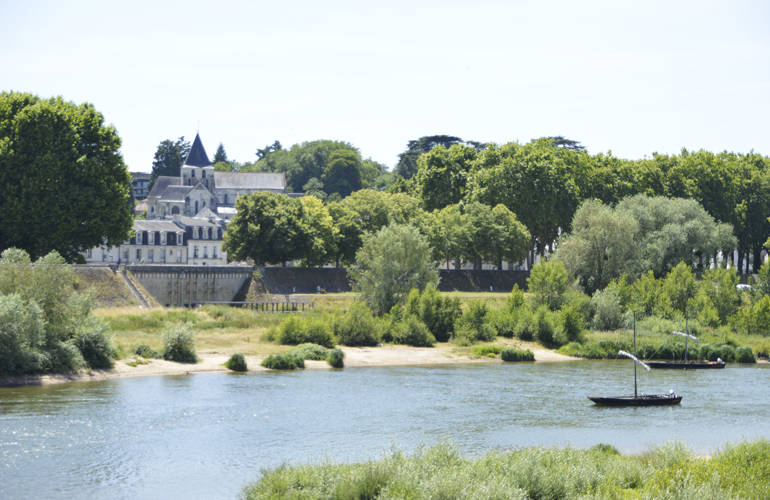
727 353
571 322
22 328
503 321
744 354
178 344
412 331
439 313
236 363
608 312
307 351
146 351
63 357
336 358
357 327
474 320
547 283
546 334
318 331
94 345
291 331
526 327
510 355
487 350
295 330
283 362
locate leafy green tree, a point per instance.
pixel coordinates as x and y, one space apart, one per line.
63 183
389 264
511 237
679 287
547 283
407 161
719 285
267 228
220 154
342 173
267 150
321 231
600 247
374 174
445 230
534 182
169 158
314 187
673 230
302 161
645 294
442 175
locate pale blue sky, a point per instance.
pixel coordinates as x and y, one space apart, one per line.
631 77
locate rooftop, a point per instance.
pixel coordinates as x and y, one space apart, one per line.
197 156
266 181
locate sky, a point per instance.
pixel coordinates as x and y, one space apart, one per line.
631 77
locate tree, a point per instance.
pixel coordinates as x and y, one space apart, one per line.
169 158
63 183
220 155
407 161
314 187
547 283
302 161
321 231
267 150
563 142
389 264
442 175
267 228
600 247
342 174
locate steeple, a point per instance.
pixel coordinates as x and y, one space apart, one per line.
197 156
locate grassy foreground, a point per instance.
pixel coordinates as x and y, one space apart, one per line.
440 472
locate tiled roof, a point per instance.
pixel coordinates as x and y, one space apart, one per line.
162 183
194 221
261 181
197 156
155 225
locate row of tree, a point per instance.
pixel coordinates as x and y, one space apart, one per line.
271 228
545 181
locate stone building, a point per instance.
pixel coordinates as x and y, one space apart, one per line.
199 187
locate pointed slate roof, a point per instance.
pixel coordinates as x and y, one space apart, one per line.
197 156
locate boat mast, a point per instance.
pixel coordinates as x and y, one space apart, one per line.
685 339
634 354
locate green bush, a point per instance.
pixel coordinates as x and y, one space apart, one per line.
526 328
475 323
546 333
357 327
95 347
307 351
438 313
744 354
547 283
412 331
503 321
336 358
510 355
487 350
178 344
146 351
608 312
63 357
236 363
283 362
727 353
571 322
22 328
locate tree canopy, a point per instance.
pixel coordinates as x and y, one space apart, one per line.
169 158
63 183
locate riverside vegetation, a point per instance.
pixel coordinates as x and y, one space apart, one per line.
441 472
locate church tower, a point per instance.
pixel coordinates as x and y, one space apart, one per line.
197 167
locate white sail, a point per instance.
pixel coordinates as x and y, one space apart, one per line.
682 334
629 355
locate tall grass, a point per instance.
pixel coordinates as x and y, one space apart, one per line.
441 472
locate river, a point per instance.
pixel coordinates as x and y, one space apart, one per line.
208 435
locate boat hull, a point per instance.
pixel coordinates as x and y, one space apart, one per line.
681 365
643 400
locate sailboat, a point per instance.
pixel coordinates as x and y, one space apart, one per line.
637 399
686 365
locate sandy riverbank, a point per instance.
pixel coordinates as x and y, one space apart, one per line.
214 362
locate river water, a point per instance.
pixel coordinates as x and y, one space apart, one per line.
208 435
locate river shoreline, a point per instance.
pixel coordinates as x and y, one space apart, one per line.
213 361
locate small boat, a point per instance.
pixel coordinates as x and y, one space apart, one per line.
686 365
692 365
637 399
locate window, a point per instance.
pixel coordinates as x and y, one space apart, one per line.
195 252
214 252
193 173
203 174
150 255
179 239
225 199
138 254
125 255
200 233
151 238
210 233
205 252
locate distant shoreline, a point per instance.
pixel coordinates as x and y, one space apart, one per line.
214 362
